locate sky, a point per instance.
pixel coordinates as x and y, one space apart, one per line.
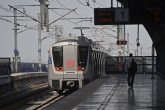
28 40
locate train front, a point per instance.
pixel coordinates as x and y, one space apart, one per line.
67 63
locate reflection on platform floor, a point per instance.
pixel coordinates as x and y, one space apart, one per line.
114 94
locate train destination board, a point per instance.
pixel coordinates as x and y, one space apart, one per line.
103 16
115 16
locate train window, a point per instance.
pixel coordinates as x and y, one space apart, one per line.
83 56
58 56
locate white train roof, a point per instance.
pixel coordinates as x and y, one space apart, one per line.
79 40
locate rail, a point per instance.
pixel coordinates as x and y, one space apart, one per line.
16 95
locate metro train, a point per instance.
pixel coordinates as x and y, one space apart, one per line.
74 62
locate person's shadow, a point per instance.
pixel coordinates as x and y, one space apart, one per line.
131 97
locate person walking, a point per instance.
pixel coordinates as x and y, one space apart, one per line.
131 69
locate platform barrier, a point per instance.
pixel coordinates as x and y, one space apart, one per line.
20 80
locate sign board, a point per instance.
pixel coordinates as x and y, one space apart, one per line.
103 16
122 15
118 16
121 42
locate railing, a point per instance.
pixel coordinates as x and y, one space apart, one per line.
5 66
29 67
115 64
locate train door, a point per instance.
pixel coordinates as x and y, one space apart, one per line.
70 62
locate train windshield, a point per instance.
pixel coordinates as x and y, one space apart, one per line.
83 56
58 56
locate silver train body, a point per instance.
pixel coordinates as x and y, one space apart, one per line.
74 62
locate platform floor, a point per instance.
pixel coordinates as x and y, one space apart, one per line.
114 94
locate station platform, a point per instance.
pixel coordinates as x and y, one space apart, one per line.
17 81
111 92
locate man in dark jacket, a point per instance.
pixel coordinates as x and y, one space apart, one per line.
131 69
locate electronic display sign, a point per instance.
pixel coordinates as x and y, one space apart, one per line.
104 16
121 42
115 16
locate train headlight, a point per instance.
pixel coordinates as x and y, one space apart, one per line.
59 68
80 68
56 68
83 68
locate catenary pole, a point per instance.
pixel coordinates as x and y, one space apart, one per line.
39 43
16 52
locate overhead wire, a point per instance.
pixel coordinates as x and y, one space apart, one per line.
61 4
95 32
49 35
84 4
9 21
103 37
6 20
5 9
104 32
64 17
101 31
24 14
27 28
103 25
81 3
66 8
94 1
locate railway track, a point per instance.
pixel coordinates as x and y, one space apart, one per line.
18 97
39 105
35 97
